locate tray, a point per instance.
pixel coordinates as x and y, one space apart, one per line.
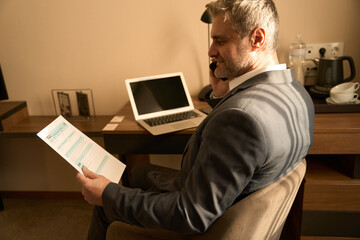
321 106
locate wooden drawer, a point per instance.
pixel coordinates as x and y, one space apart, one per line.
328 189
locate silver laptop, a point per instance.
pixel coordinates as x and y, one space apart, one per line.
162 103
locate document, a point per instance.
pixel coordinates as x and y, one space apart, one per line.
79 150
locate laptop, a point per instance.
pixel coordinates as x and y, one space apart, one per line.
162 103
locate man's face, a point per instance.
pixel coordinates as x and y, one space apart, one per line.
230 51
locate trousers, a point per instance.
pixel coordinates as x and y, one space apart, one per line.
137 179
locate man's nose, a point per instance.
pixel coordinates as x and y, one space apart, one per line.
212 51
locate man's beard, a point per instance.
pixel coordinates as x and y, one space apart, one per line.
235 67
232 68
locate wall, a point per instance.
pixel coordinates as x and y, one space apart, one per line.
53 44
97 44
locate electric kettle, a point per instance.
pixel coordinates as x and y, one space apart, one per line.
331 72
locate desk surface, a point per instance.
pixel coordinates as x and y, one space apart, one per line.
33 124
335 133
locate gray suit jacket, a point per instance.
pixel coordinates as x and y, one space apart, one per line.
256 134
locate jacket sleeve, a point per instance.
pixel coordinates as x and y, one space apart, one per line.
231 148
211 101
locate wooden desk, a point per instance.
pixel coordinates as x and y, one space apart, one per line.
336 139
30 126
335 133
15 122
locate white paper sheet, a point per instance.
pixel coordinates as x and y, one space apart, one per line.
110 127
79 150
117 119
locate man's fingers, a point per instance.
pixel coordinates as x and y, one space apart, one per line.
88 173
81 178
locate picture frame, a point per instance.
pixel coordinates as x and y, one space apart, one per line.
83 104
74 104
64 103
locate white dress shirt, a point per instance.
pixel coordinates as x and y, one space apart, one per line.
239 80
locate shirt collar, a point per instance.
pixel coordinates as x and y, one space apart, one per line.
237 81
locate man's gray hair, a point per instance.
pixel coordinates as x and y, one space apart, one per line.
246 15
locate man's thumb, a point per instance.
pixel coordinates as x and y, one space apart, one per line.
88 173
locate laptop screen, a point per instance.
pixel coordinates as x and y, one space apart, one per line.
159 94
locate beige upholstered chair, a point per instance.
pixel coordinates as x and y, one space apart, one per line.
259 216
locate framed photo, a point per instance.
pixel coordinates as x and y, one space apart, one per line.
74 104
83 104
64 103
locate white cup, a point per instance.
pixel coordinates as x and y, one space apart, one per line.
346 87
344 92
343 97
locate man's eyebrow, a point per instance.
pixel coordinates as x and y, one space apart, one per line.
217 37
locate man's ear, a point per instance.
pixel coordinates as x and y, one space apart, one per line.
258 39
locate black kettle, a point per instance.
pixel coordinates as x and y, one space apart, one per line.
331 72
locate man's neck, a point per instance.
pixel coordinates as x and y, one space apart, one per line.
237 81
263 60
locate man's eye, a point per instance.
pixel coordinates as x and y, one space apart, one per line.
220 43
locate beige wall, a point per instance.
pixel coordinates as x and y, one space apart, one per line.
67 44
321 21
54 44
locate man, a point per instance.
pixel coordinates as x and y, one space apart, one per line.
260 129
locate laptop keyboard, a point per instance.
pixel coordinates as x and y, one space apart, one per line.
171 118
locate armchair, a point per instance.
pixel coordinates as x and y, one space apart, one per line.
259 216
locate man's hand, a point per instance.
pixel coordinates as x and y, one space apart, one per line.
93 186
220 88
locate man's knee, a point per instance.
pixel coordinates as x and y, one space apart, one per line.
138 176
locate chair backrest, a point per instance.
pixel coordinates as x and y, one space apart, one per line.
261 215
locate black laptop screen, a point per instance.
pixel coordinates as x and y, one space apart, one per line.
159 94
